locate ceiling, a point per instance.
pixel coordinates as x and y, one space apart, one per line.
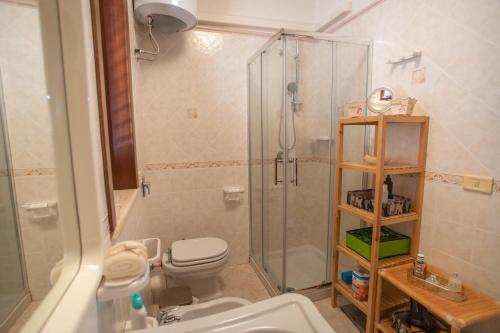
308 15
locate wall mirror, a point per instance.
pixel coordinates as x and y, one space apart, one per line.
38 221
379 100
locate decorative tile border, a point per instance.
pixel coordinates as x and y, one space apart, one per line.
220 164
431 176
444 178
34 172
29 172
194 165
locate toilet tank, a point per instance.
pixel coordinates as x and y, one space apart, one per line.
168 15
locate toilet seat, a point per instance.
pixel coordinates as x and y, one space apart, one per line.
199 262
200 269
198 251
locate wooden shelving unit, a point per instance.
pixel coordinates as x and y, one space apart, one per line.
379 171
477 306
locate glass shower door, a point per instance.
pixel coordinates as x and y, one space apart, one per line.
273 166
13 286
309 112
255 158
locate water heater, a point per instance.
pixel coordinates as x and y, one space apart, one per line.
167 15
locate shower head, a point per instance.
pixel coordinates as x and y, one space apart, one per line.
292 88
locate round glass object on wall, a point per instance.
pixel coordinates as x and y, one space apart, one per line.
379 100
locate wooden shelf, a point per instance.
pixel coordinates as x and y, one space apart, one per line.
394 261
383 263
375 218
393 300
477 306
385 326
402 169
370 217
390 169
374 120
354 256
361 213
346 291
408 217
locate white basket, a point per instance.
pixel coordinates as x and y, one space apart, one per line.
356 109
402 106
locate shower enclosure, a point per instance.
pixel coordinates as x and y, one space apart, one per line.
298 85
13 283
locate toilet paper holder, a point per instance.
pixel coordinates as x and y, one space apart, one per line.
41 210
233 193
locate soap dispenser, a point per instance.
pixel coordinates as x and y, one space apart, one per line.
138 315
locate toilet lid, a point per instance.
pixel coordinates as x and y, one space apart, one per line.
198 249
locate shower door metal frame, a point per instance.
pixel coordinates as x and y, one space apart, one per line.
284 111
313 293
25 297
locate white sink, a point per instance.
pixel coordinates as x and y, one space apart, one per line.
290 313
196 311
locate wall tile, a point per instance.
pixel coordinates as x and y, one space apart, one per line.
484 247
489 213
195 113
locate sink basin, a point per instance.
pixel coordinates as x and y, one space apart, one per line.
290 313
195 311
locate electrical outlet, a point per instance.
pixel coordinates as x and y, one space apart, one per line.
478 183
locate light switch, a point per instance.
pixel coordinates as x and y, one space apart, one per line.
478 183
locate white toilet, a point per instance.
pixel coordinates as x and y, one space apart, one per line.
196 263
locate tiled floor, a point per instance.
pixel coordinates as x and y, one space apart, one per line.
335 317
241 281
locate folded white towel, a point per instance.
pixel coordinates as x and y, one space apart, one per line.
124 260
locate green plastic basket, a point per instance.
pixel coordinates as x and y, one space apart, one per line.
391 242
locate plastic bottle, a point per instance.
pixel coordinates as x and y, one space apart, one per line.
419 267
389 183
138 315
385 194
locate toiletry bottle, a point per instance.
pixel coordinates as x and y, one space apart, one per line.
138 315
389 183
419 266
455 283
385 194
360 284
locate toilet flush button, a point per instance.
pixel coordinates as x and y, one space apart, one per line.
478 183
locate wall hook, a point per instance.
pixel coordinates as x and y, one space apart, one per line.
415 54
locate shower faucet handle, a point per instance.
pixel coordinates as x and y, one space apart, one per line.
296 171
295 162
276 161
